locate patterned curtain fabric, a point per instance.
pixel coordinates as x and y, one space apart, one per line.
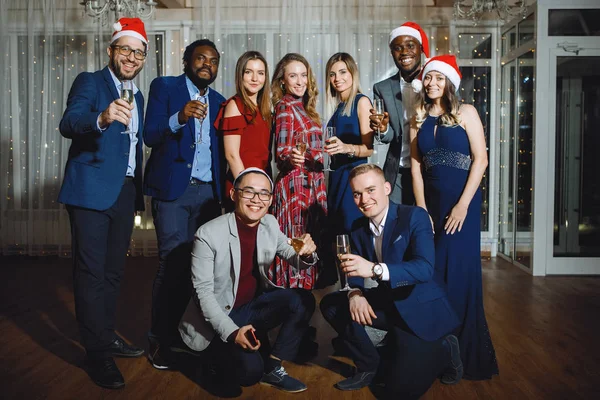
44 44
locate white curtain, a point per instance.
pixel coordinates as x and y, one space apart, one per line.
44 44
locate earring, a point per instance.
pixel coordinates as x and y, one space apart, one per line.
283 87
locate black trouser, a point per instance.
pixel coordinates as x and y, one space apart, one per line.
410 364
100 240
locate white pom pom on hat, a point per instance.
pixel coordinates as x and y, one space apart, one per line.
417 85
129 27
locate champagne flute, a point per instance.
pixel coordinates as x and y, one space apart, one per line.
127 95
343 247
201 99
297 243
301 146
379 110
328 133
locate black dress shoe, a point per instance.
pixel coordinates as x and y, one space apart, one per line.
119 348
105 373
454 372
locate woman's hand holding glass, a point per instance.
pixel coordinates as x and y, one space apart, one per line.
297 158
336 146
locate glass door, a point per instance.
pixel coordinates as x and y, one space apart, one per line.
576 233
516 159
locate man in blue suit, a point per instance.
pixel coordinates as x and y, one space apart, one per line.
102 189
393 245
184 176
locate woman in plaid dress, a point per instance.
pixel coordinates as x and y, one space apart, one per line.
299 195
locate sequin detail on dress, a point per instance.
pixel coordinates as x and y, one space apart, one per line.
449 158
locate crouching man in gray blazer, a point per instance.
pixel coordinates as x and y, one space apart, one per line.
235 304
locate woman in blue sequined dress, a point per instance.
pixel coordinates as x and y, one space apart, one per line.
449 158
353 140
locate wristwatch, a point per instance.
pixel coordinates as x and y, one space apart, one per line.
377 272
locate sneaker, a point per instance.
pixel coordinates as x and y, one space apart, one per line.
357 381
279 378
159 357
454 372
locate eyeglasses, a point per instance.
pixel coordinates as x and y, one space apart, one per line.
249 194
126 51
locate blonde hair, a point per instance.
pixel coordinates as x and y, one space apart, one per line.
332 97
309 100
264 94
449 103
365 168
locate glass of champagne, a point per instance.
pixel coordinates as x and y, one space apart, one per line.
201 99
343 247
301 146
127 95
297 243
379 110
328 133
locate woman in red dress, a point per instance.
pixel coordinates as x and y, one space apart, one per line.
245 119
299 196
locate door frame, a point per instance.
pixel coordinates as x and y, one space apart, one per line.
545 261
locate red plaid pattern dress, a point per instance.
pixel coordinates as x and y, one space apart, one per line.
298 200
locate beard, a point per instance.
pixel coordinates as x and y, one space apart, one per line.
411 72
115 66
200 83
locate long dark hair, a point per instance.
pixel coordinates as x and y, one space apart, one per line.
450 104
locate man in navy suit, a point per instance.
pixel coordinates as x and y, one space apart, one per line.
184 176
102 189
393 244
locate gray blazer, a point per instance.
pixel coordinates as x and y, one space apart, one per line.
389 90
216 259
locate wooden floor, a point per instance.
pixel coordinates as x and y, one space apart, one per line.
546 332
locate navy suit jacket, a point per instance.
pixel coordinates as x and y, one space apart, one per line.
98 160
169 168
415 287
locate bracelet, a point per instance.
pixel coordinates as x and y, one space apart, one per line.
353 153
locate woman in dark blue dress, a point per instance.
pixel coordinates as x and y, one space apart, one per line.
449 159
353 140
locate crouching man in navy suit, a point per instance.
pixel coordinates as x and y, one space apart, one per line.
393 245
102 189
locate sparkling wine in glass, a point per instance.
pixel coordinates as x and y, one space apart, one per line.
127 95
328 133
379 110
201 99
297 243
302 146
343 248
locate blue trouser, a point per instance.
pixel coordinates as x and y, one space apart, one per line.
100 240
410 364
176 222
290 308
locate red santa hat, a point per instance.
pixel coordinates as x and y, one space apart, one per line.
414 30
446 64
133 27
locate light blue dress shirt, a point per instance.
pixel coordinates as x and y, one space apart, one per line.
201 167
133 127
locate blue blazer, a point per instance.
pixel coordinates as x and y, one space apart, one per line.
169 168
415 287
98 160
